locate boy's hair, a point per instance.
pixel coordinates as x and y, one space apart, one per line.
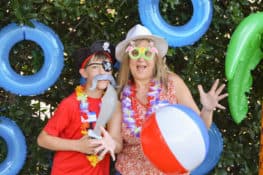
81 54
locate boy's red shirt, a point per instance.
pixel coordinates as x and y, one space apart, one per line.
66 123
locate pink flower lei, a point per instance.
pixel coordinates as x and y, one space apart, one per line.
130 116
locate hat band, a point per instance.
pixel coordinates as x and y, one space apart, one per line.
83 64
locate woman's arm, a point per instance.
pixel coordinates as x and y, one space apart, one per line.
208 100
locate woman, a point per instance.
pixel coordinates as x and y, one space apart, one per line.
146 83
69 130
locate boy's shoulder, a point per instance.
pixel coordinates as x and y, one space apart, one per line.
70 100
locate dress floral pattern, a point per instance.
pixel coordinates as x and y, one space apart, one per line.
131 161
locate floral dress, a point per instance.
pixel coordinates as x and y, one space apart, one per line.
131 161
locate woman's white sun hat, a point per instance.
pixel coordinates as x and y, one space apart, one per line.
141 32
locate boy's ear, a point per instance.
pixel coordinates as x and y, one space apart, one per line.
83 73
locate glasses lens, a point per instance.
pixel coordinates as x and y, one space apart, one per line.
134 53
148 54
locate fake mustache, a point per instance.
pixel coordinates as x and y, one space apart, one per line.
102 77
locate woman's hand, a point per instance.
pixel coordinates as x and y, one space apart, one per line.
210 100
106 145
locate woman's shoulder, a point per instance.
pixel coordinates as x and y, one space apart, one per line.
174 78
169 92
176 82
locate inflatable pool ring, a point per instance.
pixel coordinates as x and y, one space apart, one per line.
214 152
244 52
16 147
53 58
177 36
175 139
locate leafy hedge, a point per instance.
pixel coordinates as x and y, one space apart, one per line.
78 23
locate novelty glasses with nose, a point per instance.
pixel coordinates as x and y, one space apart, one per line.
146 53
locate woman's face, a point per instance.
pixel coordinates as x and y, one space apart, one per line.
142 68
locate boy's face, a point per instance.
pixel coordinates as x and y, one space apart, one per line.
97 67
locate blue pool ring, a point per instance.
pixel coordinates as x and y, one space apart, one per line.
214 152
16 147
53 58
177 36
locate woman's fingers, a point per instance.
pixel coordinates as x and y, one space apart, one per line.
103 131
214 86
220 97
201 90
104 152
104 145
220 89
112 155
220 106
99 149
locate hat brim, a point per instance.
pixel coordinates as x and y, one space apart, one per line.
159 43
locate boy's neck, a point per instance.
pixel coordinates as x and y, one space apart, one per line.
96 93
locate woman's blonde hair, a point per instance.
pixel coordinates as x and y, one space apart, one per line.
160 72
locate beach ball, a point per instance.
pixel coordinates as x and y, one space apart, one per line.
175 139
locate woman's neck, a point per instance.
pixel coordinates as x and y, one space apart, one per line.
141 91
142 84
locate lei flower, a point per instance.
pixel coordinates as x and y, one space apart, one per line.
130 114
86 117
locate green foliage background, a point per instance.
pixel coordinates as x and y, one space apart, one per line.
78 23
